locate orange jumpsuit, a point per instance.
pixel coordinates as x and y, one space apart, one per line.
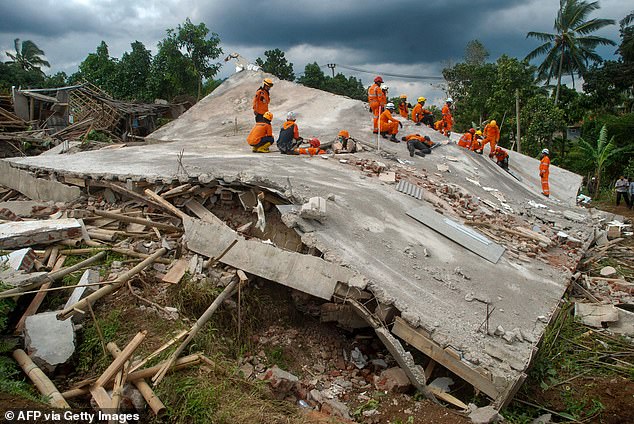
402 109
492 136
476 143
465 140
377 101
261 101
447 119
388 123
261 137
544 171
312 151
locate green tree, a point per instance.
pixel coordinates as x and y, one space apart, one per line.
475 53
626 48
100 69
133 71
27 56
201 49
276 64
313 76
602 153
540 119
572 46
171 74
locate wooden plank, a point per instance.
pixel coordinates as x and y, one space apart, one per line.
164 204
447 397
403 330
129 193
176 272
137 220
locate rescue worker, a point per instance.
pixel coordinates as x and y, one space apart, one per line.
447 117
476 142
388 124
312 150
289 137
467 138
261 136
262 99
344 143
502 158
377 101
420 114
418 145
439 126
491 136
544 171
403 107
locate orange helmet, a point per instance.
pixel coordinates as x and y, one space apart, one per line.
403 96
314 143
267 82
268 115
378 79
344 134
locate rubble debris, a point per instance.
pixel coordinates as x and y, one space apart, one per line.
36 188
19 260
485 415
315 208
392 380
90 276
50 342
596 315
608 271
29 233
41 381
176 272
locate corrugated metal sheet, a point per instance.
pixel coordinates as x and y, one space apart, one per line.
409 189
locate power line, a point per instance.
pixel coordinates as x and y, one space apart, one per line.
418 77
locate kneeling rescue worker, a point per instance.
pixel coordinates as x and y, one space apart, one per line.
261 136
467 138
388 124
289 138
502 158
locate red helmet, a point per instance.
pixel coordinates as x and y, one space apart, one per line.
378 79
472 130
314 143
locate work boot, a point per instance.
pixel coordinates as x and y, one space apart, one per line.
411 149
393 139
375 131
417 124
384 134
421 154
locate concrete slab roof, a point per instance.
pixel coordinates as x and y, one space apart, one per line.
436 284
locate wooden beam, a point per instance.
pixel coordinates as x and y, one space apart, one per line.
415 338
165 204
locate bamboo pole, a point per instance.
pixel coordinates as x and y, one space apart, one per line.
53 276
159 350
184 362
148 394
194 330
116 284
165 204
41 381
136 220
114 367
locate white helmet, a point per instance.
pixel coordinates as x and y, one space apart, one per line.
290 116
449 100
545 152
390 106
385 87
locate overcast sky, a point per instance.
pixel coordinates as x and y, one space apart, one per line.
412 37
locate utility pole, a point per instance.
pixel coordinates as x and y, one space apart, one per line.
332 67
517 118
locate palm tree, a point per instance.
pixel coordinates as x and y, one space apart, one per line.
27 56
571 47
626 49
602 153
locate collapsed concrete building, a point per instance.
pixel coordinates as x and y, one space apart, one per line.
421 261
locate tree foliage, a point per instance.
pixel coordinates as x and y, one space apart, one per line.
100 69
571 47
276 64
134 68
314 77
27 56
475 53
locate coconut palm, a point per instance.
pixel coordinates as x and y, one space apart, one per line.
602 153
572 47
626 49
27 56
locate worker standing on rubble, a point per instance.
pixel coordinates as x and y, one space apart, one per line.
403 107
491 136
389 125
502 158
467 138
262 99
289 138
313 150
261 136
544 171
377 101
447 117
418 145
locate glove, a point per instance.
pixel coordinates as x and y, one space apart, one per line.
400 124
300 139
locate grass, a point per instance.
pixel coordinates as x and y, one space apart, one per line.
91 355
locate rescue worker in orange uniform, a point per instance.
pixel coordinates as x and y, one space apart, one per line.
403 107
261 136
447 117
262 99
377 101
476 142
420 114
344 143
492 136
467 138
289 137
544 171
312 150
388 124
418 145
502 158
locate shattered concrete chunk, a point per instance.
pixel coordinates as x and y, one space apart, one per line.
19 260
28 233
90 276
608 271
595 315
392 380
49 341
485 415
315 208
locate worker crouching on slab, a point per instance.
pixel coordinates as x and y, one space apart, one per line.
261 136
289 138
502 158
344 143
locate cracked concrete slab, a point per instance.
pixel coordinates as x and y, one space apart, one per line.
405 264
